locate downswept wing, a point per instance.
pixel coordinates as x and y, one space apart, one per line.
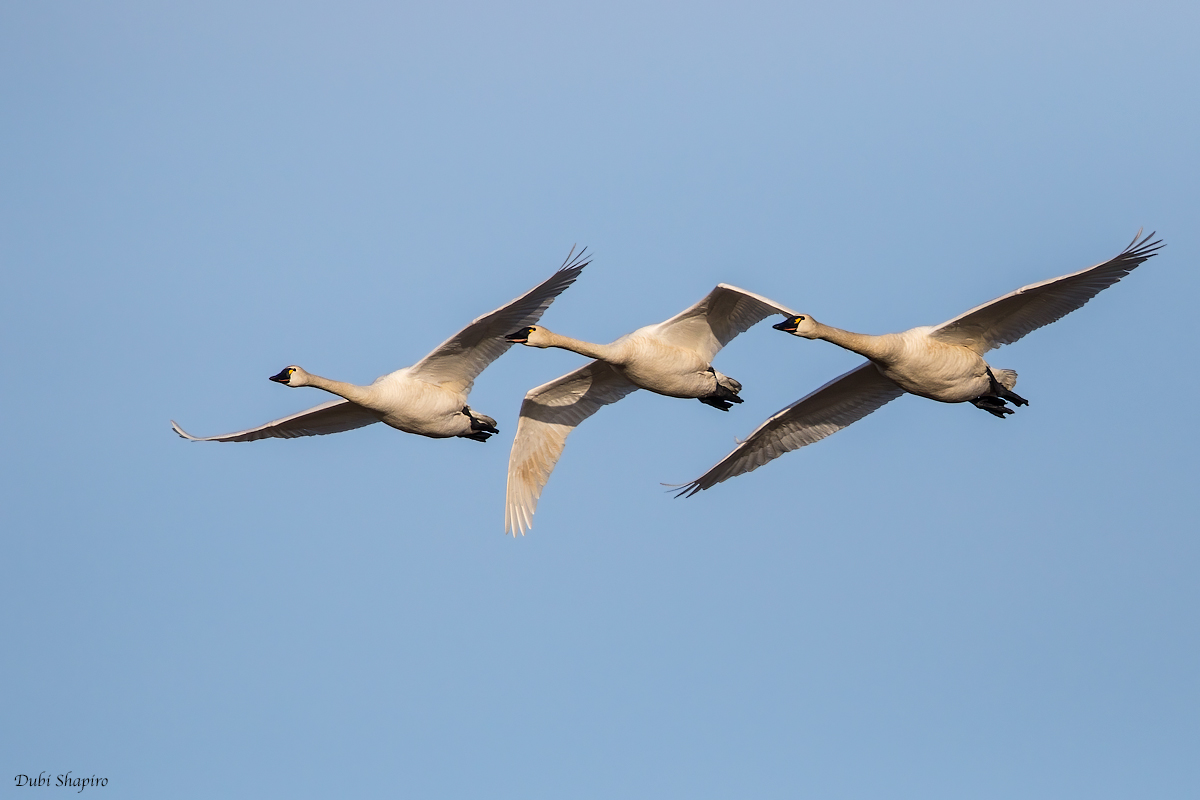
458 361
844 400
1006 319
714 321
332 417
548 415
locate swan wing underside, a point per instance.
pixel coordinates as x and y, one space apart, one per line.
1006 319
548 415
332 417
458 361
844 400
713 322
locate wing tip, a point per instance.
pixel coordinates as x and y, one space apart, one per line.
514 524
575 261
182 433
683 489
1141 247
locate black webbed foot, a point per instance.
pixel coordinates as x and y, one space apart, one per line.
1014 398
723 403
993 405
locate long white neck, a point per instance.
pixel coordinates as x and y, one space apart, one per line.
350 391
604 352
873 347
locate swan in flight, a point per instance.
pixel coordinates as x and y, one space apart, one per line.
430 397
671 358
942 363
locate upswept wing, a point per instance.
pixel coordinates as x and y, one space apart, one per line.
458 361
1006 319
714 321
332 417
844 400
548 415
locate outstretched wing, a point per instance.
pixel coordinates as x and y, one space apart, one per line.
332 417
844 400
1006 319
458 361
548 415
713 322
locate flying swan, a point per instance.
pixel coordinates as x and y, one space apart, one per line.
672 358
430 397
943 363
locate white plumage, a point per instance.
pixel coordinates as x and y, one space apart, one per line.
672 358
430 397
942 363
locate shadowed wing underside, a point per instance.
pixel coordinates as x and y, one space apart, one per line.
844 400
332 417
458 361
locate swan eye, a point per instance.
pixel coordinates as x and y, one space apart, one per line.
799 319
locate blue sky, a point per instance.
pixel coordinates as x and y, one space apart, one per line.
931 604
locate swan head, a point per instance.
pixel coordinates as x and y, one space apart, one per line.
799 325
291 376
533 336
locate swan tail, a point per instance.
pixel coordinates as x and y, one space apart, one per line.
482 426
725 394
1006 378
726 382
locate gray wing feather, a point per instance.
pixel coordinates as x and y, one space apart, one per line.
1006 319
548 415
332 417
458 361
844 400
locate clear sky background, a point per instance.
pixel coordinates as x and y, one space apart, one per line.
931 604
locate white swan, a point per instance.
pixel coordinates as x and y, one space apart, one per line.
430 397
671 358
942 363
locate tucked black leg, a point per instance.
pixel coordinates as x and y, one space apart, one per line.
1006 394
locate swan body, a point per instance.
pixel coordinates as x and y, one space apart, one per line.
402 400
644 359
943 362
672 358
430 397
915 360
